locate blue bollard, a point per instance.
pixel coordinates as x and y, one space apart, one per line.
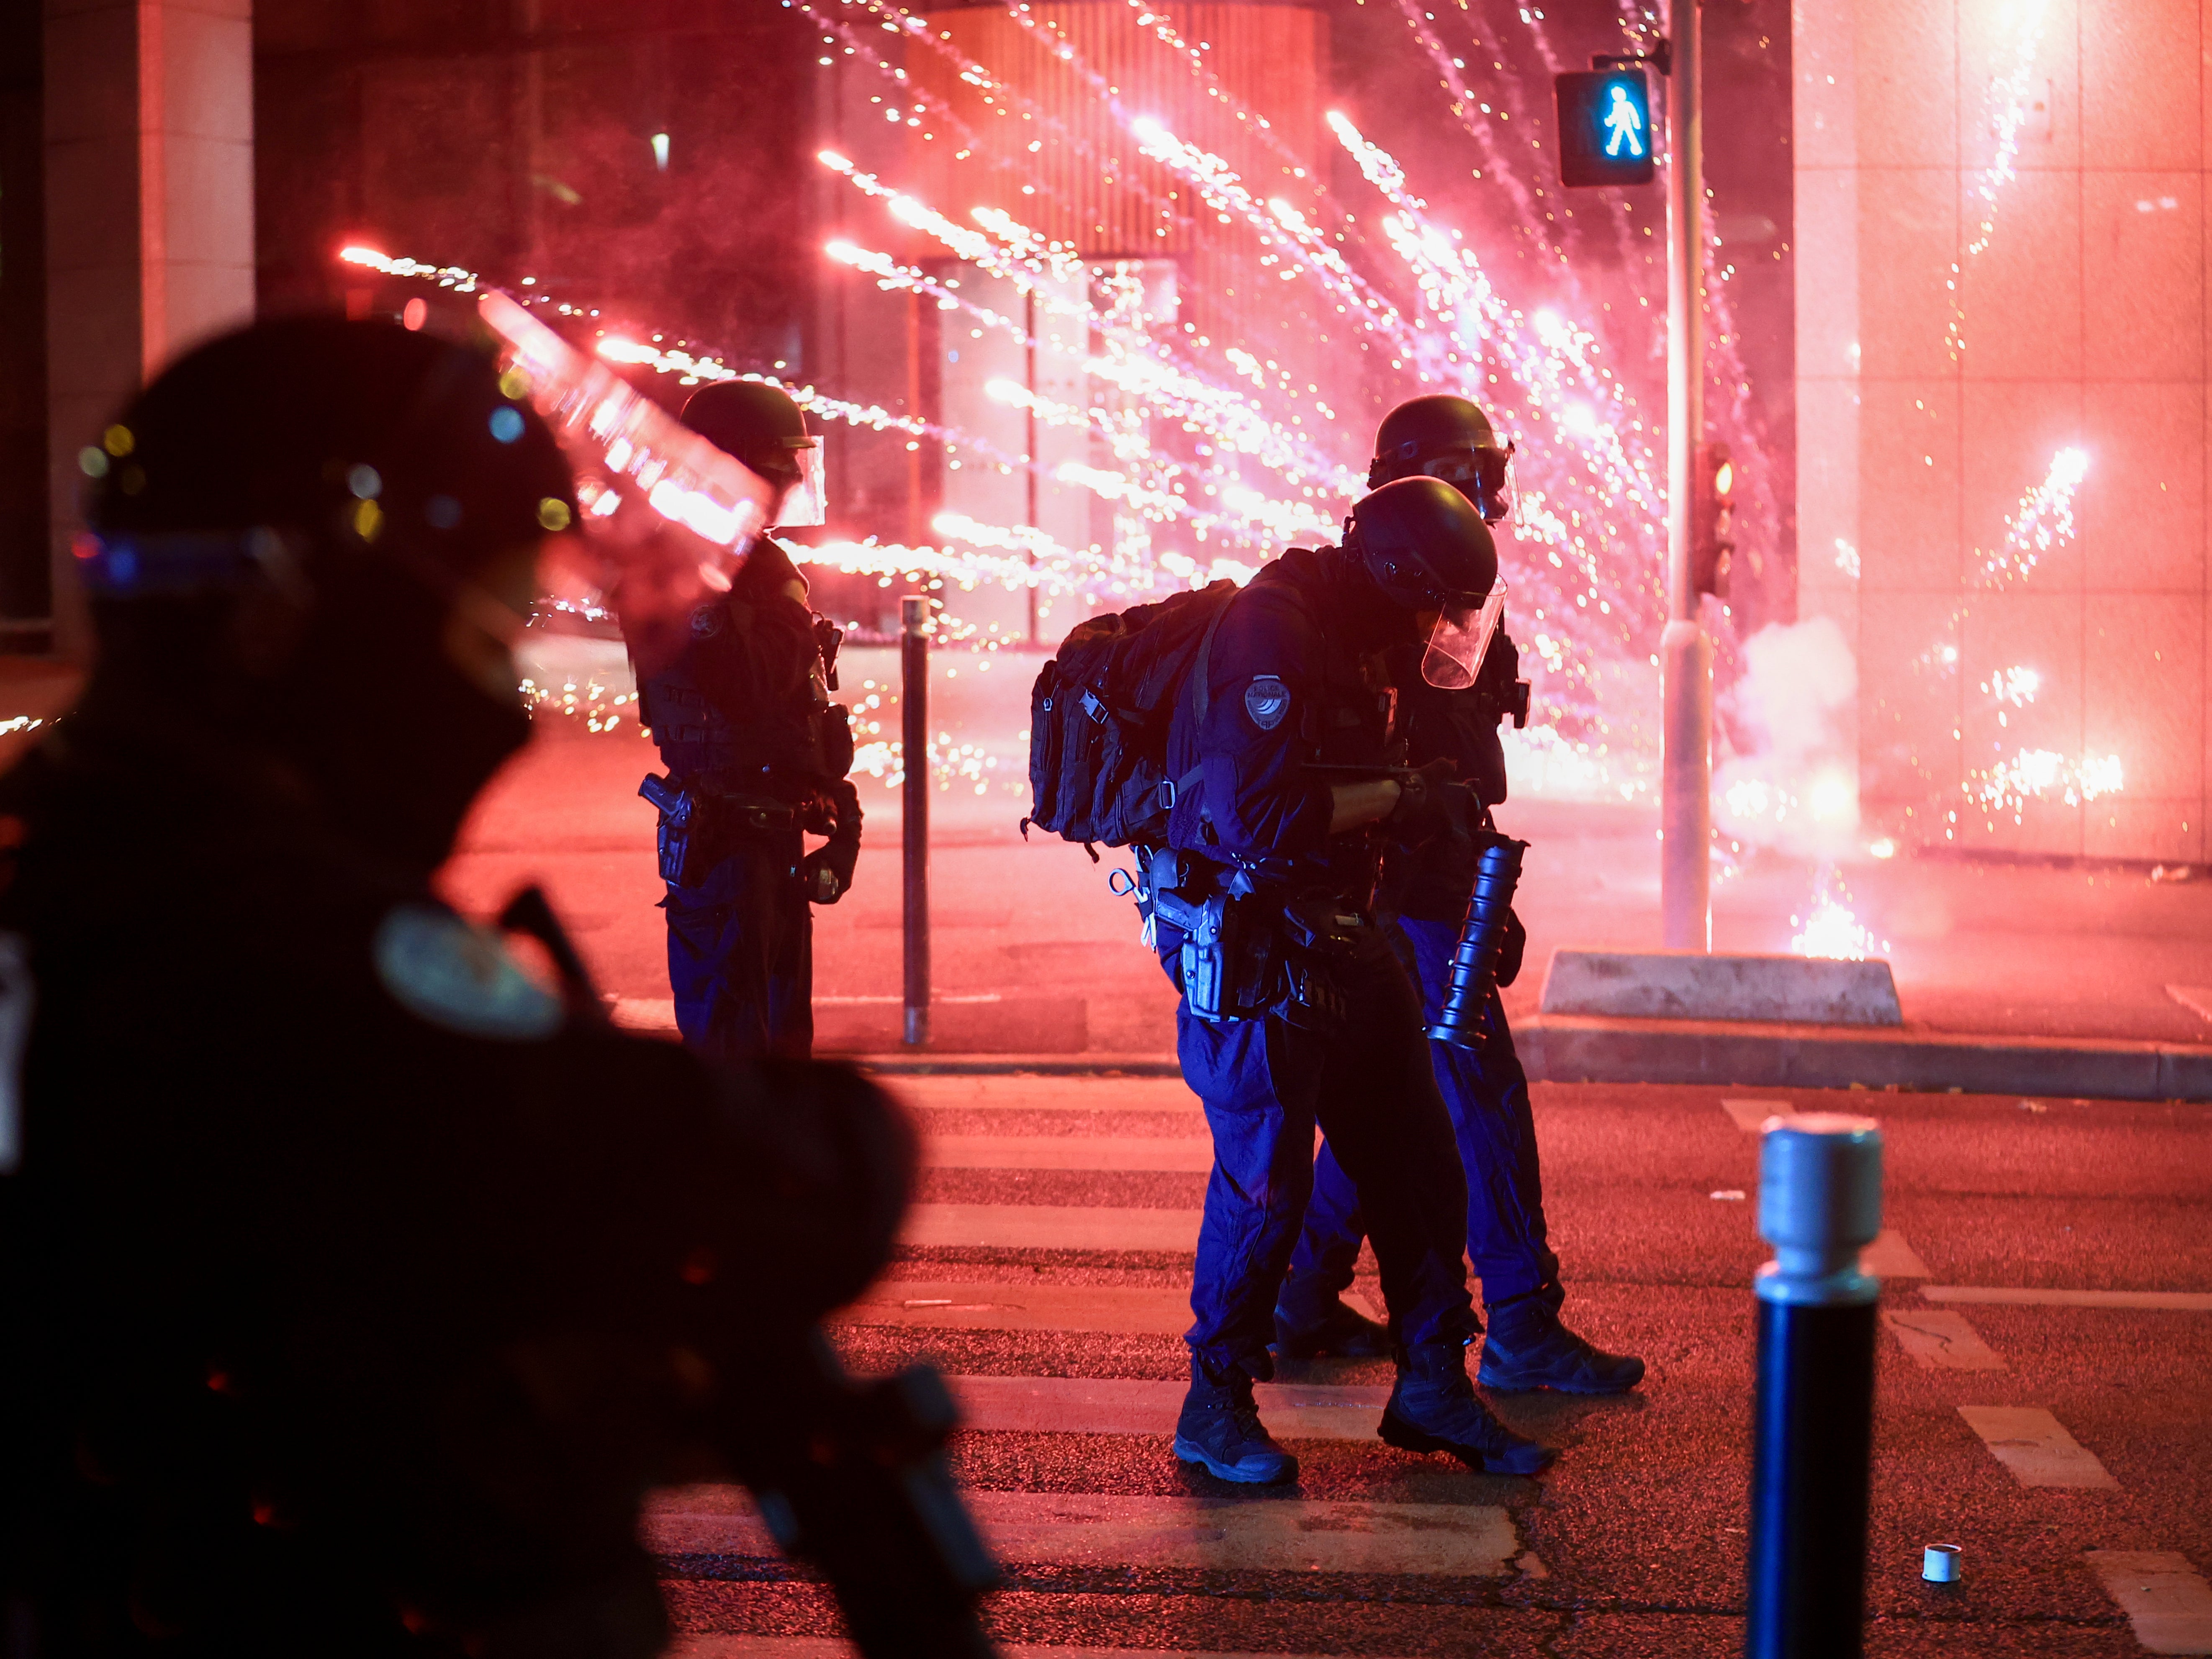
1819 1202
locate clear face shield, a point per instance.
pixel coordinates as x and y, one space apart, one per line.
807 501
1485 477
1459 638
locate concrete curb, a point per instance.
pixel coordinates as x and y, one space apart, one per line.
1561 1048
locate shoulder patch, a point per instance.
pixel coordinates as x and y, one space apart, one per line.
1267 700
707 619
459 977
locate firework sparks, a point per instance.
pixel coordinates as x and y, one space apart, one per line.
1211 454
2008 114
2040 775
2043 521
2016 686
1830 930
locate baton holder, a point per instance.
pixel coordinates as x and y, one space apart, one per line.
1464 1021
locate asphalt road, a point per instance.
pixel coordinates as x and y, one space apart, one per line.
1067 1357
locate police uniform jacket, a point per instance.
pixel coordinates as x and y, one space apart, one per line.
1287 685
352 1288
745 707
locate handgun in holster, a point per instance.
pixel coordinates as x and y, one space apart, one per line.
678 836
1231 955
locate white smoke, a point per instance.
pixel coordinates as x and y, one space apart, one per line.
1797 789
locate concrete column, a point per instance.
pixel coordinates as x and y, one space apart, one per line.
149 215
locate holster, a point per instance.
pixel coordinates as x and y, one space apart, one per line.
1248 954
700 826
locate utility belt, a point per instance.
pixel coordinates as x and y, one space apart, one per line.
1251 951
701 825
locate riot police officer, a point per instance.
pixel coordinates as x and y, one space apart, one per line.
757 756
353 1283
1525 1346
1294 1009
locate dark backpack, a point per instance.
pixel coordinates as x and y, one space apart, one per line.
1099 715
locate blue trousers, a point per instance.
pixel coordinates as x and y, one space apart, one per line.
741 954
1265 1085
1487 1096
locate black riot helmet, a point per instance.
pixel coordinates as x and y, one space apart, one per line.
1427 550
761 426
1445 437
314 537
297 447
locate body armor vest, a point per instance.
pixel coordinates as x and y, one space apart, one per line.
746 709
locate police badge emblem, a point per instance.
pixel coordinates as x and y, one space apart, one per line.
441 970
1267 700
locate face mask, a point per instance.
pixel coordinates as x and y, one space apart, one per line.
397 740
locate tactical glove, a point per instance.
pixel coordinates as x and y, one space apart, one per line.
1424 810
827 871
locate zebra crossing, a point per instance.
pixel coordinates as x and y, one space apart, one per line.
1057 1324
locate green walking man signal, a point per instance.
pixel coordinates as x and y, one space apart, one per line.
1605 126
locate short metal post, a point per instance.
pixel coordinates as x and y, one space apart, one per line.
914 704
1819 1202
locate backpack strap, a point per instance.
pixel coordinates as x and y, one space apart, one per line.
1202 699
1201 691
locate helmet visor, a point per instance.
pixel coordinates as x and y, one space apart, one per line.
807 501
1485 477
1460 638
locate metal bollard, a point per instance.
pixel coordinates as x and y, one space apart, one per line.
1819 1202
914 724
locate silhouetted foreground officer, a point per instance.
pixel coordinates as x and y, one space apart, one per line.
354 1287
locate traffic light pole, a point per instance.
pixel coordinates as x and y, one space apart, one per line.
1686 654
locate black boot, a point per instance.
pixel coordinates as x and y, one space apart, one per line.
1434 1408
1304 1331
1220 1427
1528 1347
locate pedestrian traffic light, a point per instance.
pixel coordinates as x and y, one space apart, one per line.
1712 519
1605 127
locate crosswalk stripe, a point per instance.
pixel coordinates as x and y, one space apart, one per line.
1104 1530
1082 1405
1107 1310
1018 1091
2036 1447
1189 1155
1940 1341
2165 1598
1890 1257
2167 1301
1083 1227
1051 1227
1750 1116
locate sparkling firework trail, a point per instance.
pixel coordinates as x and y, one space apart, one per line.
2008 112
1252 459
2044 520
